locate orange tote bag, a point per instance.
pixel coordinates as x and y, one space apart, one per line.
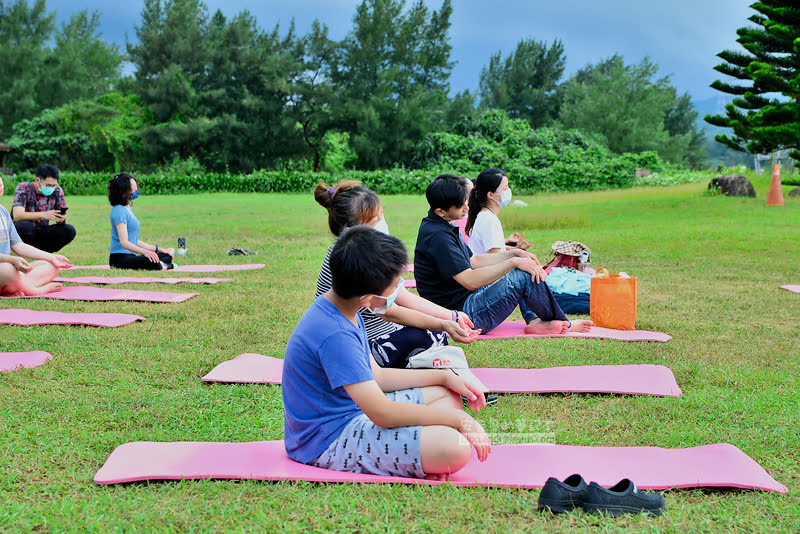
612 301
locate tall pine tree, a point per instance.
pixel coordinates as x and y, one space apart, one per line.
524 83
44 66
770 65
391 75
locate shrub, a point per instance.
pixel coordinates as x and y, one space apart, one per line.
545 159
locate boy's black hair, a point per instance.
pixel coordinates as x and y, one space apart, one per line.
365 261
446 191
119 189
47 171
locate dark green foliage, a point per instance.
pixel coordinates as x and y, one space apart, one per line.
91 135
681 120
632 110
189 177
524 84
769 65
391 77
535 160
42 66
313 98
218 87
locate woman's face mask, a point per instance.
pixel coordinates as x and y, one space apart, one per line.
505 198
135 195
381 226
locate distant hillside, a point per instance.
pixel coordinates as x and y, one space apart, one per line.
712 106
718 153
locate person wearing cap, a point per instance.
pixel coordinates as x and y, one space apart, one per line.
37 203
344 412
487 287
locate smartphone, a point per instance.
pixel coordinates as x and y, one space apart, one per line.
63 210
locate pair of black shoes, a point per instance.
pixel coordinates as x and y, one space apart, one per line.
623 498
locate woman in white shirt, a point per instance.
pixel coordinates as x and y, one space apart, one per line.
486 236
485 231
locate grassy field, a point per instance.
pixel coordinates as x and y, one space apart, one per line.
709 268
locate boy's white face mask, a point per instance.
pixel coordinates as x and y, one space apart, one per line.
380 310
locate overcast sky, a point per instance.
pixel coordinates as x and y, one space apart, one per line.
682 36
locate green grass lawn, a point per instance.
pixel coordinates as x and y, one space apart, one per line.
709 268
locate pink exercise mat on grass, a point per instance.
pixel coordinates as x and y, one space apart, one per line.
511 466
138 280
516 329
791 287
624 379
106 293
14 360
409 283
22 317
188 268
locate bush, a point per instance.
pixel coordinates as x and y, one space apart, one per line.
566 174
186 178
546 159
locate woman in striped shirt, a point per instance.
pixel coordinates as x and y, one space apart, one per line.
413 324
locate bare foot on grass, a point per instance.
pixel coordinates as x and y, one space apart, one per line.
43 290
546 328
580 327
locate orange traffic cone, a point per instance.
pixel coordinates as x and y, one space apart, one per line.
775 195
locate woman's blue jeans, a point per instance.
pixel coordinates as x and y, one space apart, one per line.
491 305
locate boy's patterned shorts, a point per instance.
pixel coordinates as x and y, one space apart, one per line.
364 447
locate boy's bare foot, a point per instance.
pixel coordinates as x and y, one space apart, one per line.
546 328
435 476
581 327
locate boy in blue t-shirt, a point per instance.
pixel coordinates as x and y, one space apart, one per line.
344 412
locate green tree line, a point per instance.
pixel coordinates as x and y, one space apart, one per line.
234 97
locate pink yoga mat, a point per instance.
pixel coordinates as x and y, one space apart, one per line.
512 466
625 379
22 317
792 288
105 293
138 280
14 360
516 329
409 283
190 268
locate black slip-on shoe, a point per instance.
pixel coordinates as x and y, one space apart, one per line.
490 399
558 496
623 498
